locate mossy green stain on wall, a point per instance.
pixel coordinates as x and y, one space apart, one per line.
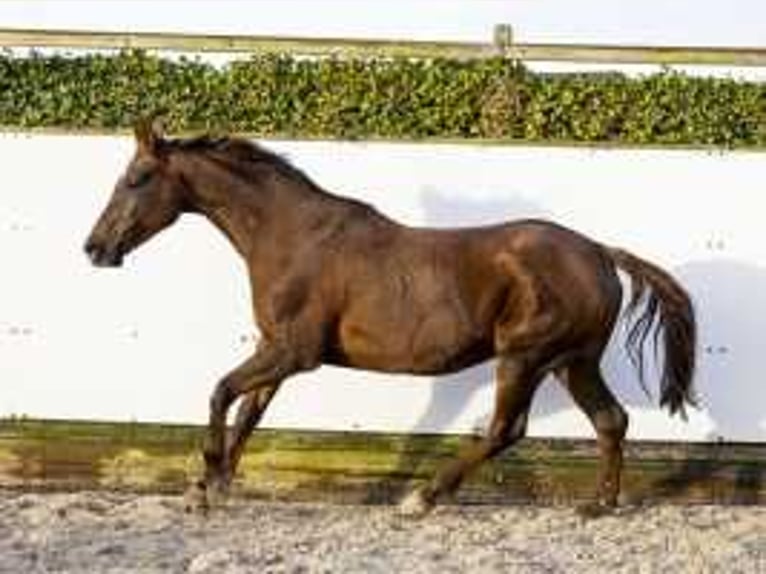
364 467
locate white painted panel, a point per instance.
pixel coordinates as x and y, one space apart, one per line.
148 341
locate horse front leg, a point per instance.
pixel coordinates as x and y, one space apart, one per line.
249 414
265 369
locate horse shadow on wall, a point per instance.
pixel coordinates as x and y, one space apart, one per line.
731 311
451 394
730 300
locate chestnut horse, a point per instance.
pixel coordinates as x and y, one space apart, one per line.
336 282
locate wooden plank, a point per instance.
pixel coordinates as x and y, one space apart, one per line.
366 48
658 55
365 467
245 44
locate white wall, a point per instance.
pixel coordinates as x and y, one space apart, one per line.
148 341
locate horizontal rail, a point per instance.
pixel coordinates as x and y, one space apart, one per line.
222 43
503 45
659 55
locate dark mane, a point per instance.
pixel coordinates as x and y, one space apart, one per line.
240 155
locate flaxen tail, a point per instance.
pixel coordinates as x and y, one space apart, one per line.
668 309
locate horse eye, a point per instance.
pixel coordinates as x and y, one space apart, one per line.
140 178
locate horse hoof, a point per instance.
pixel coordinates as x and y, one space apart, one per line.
596 509
217 495
196 499
415 505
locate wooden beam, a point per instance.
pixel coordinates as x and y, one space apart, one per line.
658 55
366 467
503 44
245 44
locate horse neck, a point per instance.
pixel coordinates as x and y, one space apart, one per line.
262 220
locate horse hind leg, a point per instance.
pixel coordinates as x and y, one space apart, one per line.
516 384
585 383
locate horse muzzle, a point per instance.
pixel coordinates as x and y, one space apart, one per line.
102 256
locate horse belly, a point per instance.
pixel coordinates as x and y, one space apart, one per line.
434 344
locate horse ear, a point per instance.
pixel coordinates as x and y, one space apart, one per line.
149 133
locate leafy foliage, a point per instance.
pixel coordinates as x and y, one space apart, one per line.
391 98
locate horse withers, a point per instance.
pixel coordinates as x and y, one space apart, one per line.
336 282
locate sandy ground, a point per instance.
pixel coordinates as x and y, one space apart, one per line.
103 532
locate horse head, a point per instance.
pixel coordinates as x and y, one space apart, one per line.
148 197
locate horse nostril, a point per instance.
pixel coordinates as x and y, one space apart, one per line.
91 249
94 254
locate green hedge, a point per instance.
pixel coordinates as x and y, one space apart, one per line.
406 99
